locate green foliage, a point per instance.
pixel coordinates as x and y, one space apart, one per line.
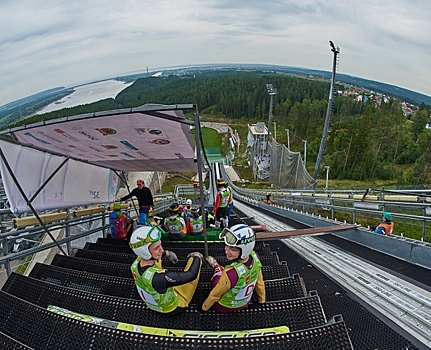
366 141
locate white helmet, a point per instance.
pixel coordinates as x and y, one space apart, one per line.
142 238
240 236
188 202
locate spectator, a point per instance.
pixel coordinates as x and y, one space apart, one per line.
386 227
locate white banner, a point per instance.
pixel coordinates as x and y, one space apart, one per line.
75 184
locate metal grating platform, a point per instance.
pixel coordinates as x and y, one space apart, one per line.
297 314
8 343
282 289
42 329
123 270
271 259
179 244
177 249
366 330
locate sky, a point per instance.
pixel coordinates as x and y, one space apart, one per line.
46 44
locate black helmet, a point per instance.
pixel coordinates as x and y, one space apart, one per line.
221 182
173 208
195 212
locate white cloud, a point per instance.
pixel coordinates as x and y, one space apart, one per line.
46 44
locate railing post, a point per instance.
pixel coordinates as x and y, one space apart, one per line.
5 253
332 206
67 232
353 207
104 223
424 227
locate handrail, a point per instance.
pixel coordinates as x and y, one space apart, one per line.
332 201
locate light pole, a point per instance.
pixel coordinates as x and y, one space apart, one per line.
305 152
327 177
275 130
288 139
271 92
336 51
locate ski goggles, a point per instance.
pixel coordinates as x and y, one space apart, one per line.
228 237
153 236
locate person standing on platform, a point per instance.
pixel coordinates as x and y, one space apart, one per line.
229 205
164 291
222 200
233 285
145 200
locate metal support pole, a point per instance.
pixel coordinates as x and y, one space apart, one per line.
327 177
67 232
201 182
305 152
288 140
28 202
275 130
336 51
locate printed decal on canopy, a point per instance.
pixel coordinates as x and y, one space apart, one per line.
74 184
148 138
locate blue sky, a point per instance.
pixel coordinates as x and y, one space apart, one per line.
44 44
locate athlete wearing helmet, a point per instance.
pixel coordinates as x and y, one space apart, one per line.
163 291
120 224
222 200
187 210
195 225
386 227
232 288
174 223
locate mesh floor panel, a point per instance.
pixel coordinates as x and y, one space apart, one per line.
179 250
271 259
366 330
8 343
282 289
42 329
123 270
297 314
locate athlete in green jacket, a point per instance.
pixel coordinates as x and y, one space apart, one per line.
163 291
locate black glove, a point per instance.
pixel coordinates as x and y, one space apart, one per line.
172 257
191 255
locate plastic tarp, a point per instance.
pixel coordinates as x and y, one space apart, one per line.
148 138
74 184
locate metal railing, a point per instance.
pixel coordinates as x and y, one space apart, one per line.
413 206
76 226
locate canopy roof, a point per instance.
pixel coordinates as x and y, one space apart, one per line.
147 138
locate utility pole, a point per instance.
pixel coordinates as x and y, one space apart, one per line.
336 51
275 130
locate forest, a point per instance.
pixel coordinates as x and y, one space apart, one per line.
367 140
